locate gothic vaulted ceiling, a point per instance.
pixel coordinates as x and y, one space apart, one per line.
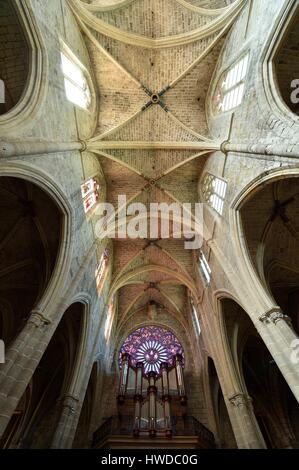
153 61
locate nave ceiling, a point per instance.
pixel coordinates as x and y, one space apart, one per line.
153 152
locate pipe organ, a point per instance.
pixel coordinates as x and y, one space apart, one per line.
152 392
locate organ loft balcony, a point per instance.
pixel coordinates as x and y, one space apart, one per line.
117 432
153 413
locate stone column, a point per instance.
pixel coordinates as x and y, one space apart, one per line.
275 328
21 361
243 410
240 411
69 410
26 351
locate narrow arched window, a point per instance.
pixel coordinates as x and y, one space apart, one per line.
230 90
204 267
195 320
75 79
214 191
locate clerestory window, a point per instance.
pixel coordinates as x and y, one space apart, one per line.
195 319
75 81
214 191
205 267
230 90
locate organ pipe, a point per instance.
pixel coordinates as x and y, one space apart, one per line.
152 395
180 378
138 397
165 381
124 375
138 380
166 398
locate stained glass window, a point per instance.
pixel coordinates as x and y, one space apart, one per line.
151 345
90 191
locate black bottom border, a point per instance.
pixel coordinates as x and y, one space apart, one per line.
135 459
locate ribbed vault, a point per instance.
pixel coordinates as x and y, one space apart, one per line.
153 62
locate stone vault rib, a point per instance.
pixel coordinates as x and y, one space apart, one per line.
102 27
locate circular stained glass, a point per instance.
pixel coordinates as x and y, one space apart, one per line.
151 345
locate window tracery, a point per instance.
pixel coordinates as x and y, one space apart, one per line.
151 345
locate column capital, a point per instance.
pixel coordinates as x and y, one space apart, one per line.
39 319
274 315
240 399
70 402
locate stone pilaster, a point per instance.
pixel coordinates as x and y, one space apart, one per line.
69 409
244 413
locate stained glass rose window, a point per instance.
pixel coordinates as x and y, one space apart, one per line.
151 345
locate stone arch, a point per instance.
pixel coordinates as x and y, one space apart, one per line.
25 92
139 324
260 380
225 433
286 64
276 410
265 255
56 194
230 354
49 385
83 346
243 256
83 432
273 61
32 252
127 277
229 368
181 335
175 313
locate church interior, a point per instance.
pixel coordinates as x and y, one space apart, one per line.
184 336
